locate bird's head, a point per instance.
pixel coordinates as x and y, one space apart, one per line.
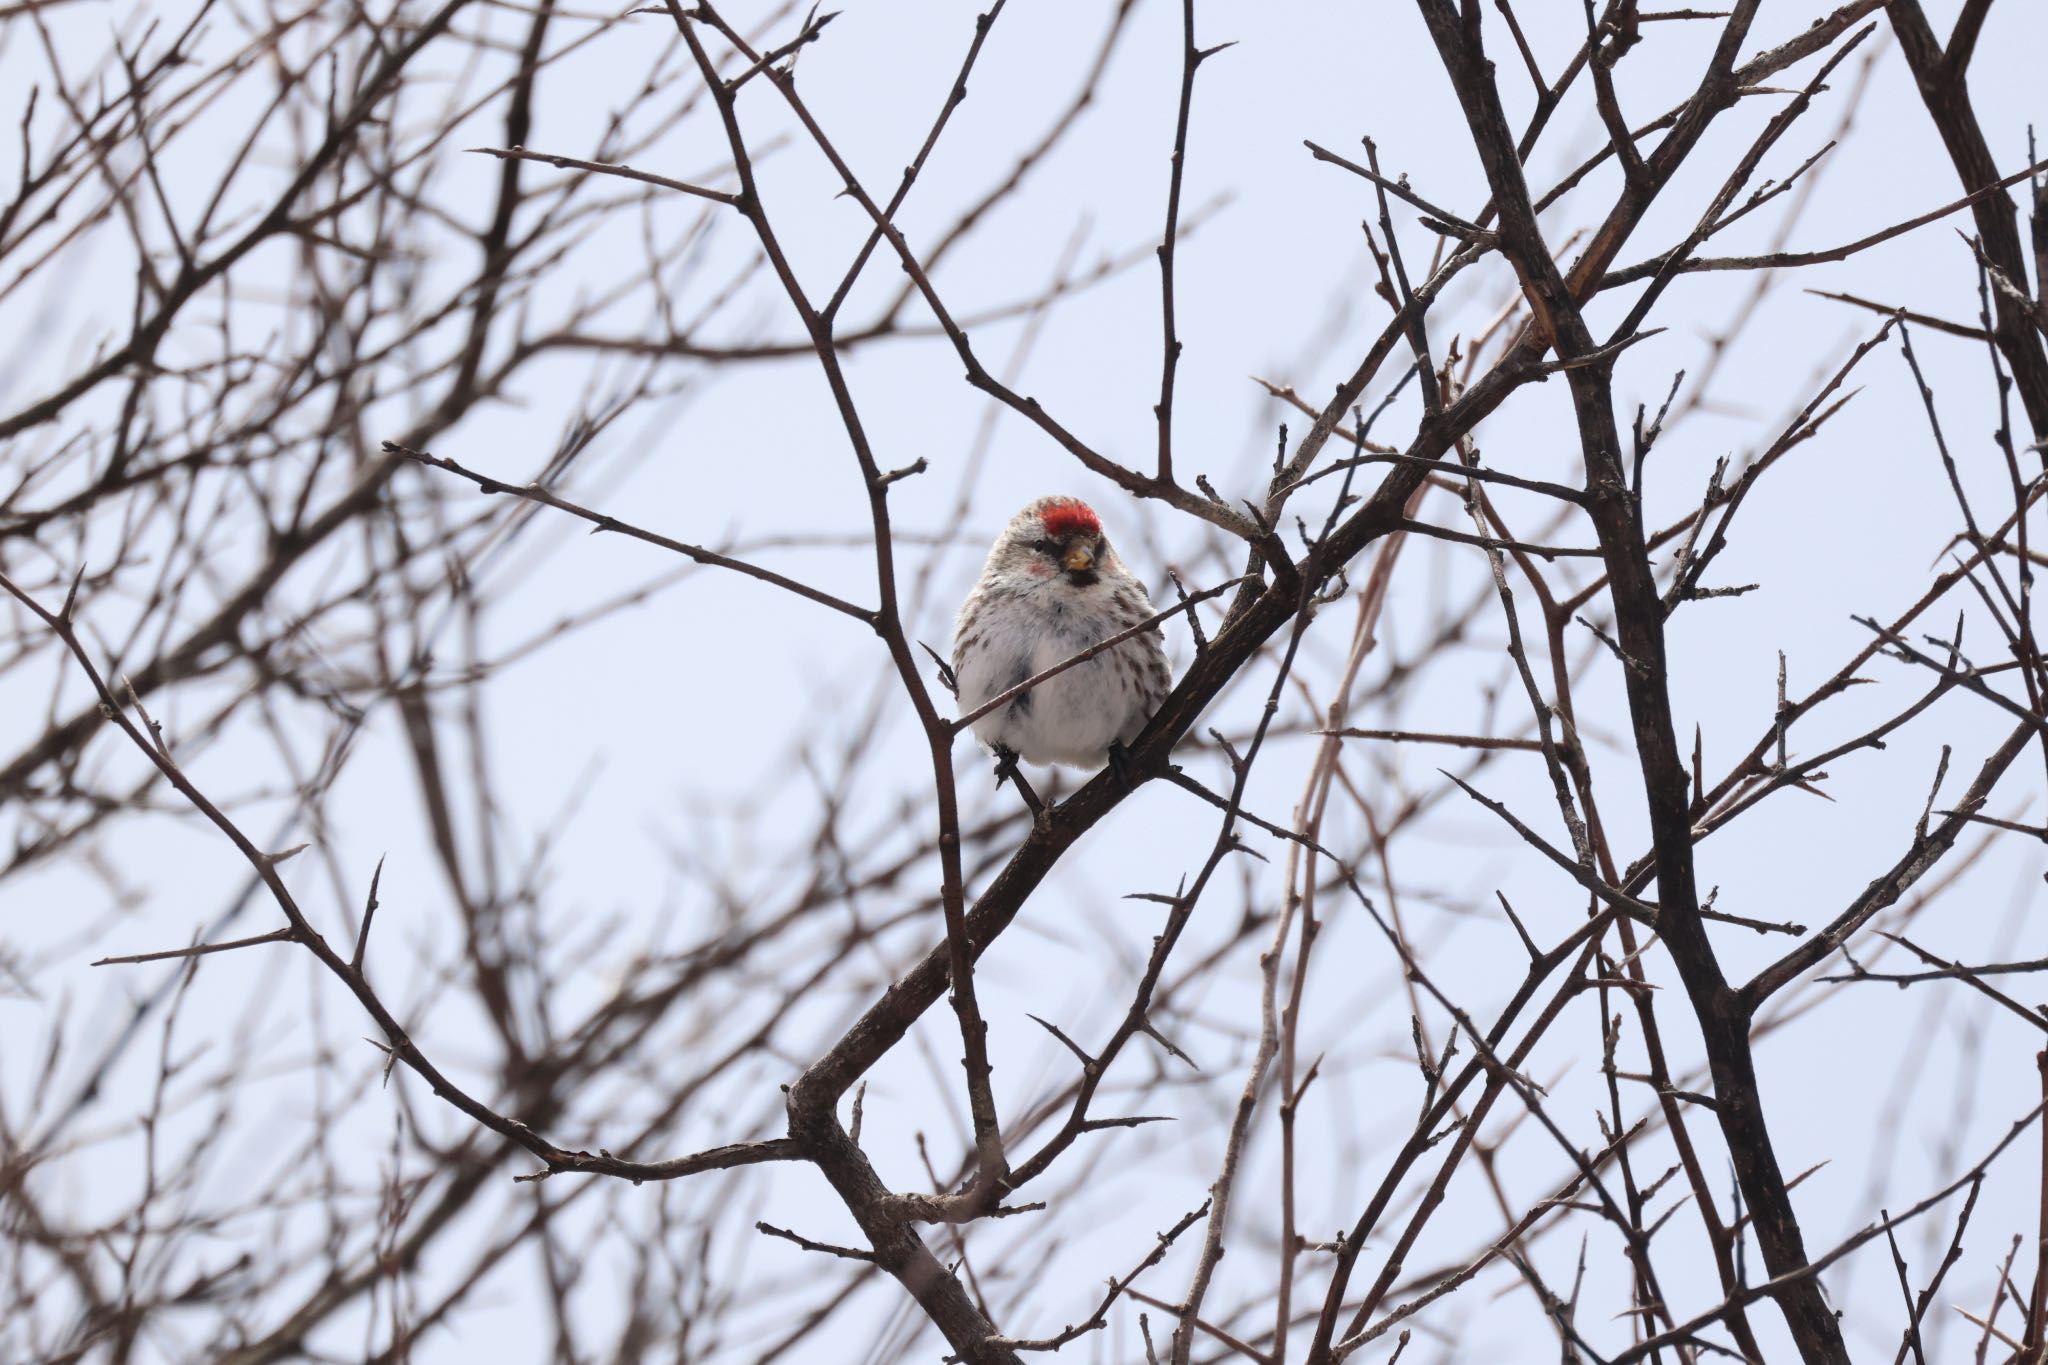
1055 538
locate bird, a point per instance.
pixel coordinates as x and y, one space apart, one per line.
1052 588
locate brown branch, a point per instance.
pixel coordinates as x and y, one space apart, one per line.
1640 620
398 1044
1671 262
1944 92
284 935
535 493
1425 737
570 163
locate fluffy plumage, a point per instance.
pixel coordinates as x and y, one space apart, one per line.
1052 587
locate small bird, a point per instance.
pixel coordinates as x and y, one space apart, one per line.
1053 587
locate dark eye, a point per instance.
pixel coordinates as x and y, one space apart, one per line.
1045 547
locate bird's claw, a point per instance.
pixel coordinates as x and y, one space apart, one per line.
1122 764
1008 771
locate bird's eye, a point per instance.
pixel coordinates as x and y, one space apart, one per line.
1045 547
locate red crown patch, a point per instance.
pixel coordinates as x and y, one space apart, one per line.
1068 516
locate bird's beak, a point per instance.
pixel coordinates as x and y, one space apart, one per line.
1080 558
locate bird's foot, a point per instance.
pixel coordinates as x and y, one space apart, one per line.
1008 771
1122 764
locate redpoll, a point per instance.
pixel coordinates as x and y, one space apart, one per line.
1052 588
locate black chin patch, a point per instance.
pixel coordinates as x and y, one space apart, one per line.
1082 578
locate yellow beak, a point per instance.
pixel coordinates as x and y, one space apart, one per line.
1080 558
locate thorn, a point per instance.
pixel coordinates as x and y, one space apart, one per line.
1145 1027
1088 1064
946 675
369 913
1529 944
1633 664
71 596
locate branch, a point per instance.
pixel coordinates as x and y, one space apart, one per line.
570 163
534 492
284 935
399 1045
